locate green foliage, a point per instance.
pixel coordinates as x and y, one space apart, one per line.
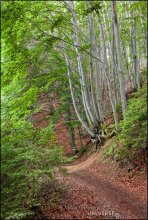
108 152
85 47
134 127
82 150
119 110
33 62
70 159
29 156
57 22
26 166
133 130
94 6
144 75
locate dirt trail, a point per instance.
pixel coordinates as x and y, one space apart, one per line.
121 203
83 165
99 190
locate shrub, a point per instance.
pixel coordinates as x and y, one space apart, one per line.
26 167
29 158
133 130
119 110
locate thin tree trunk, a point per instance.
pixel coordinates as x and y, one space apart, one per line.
119 59
127 66
114 72
99 84
93 95
70 128
74 99
85 93
135 56
93 69
106 69
98 89
80 136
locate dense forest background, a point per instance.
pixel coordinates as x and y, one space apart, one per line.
91 57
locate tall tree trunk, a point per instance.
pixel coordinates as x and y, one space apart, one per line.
119 59
127 65
98 88
85 93
114 64
135 57
93 95
93 70
106 69
74 99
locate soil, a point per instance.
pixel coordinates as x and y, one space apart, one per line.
99 189
96 188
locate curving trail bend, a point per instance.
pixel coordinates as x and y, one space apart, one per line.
99 190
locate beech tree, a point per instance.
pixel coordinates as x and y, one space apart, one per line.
119 59
90 54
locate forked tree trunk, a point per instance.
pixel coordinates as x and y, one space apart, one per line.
94 71
119 59
74 98
106 69
85 92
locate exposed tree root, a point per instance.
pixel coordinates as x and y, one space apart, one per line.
99 139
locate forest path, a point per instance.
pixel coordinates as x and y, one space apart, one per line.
112 201
101 190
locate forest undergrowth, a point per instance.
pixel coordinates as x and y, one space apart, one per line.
72 78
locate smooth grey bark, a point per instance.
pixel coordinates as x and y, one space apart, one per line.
85 93
119 59
135 57
93 70
74 99
106 69
114 64
98 92
144 31
132 60
93 94
99 85
133 53
106 35
127 65
113 58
